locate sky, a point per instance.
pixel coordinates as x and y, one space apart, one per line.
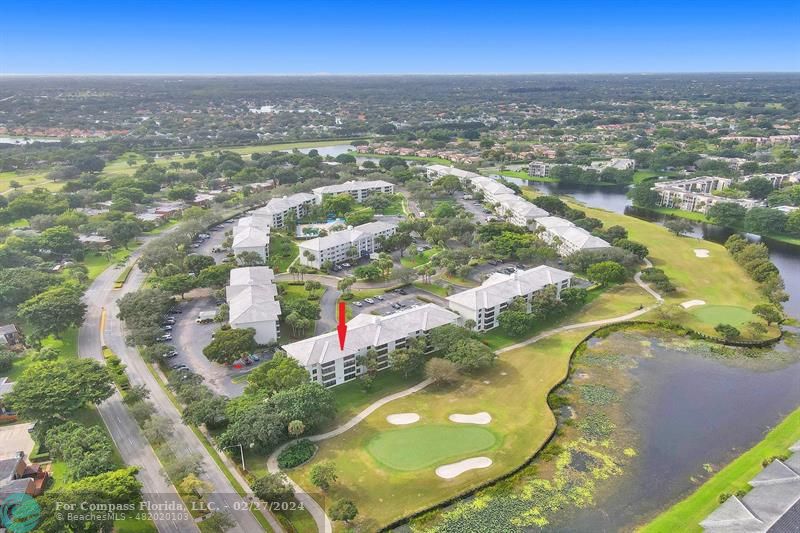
397 37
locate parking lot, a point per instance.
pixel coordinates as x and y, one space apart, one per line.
475 208
393 302
189 338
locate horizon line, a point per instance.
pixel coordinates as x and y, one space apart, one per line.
385 74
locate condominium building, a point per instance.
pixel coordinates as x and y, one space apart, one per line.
517 210
484 304
249 236
278 210
252 302
330 365
352 243
359 190
539 169
566 236
491 189
696 194
438 171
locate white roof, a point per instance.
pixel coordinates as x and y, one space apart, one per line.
249 237
255 221
553 222
578 237
349 235
489 185
259 275
254 304
453 171
279 205
500 288
520 206
351 185
366 330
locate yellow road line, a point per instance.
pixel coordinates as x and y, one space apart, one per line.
102 326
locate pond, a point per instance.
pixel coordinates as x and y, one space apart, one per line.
692 413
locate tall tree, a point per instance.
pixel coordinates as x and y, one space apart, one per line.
53 311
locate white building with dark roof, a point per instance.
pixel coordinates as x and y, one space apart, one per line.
252 301
329 365
359 190
278 209
485 303
339 246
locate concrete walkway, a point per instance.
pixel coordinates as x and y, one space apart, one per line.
318 513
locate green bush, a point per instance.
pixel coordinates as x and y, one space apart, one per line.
296 454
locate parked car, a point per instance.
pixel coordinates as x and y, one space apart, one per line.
165 338
195 245
179 367
175 311
369 300
346 265
379 297
167 327
169 321
396 305
254 358
170 355
401 291
358 303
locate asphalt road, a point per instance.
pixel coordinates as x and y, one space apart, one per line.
133 448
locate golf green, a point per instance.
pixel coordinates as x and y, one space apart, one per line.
423 446
723 314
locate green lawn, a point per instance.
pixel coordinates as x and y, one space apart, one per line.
394 208
27 180
414 261
436 160
282 251
432 288
418 447
686 515
97 262
723 314
520 426
716 279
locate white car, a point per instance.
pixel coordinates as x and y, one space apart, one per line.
369 300
357 303
165 338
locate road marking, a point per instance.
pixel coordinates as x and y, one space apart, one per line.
102 326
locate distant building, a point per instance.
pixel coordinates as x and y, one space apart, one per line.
484 304
339 246
617 163
696 194
329 365
10 335
18 477
278 210
539 169
252 301
359 190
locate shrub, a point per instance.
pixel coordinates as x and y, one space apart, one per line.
296 454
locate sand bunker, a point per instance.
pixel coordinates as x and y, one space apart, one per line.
478 418
701 252
456 469
402 419
692 303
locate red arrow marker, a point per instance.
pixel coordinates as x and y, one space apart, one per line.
342 327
